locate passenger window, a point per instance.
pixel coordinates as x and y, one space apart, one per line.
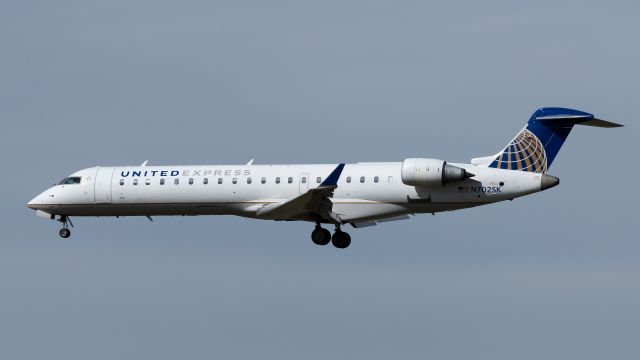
290 180
234 180
135 181
121 181
278 180
304 180
362 179
390 179
248 180
161 181
349 179
176 181
263 180
219 180
147 182
205 181
318 179
376 179
190 181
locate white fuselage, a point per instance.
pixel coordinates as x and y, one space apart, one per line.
365 191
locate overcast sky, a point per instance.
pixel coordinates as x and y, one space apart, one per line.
553 275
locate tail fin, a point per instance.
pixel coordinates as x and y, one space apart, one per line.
536 146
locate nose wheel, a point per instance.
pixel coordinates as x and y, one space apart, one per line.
66 221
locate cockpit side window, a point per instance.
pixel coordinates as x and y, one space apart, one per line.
70 180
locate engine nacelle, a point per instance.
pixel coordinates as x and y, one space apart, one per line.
431 172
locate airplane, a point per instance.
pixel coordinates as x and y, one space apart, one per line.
359 194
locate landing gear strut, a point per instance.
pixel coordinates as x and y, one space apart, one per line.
65 232
320 236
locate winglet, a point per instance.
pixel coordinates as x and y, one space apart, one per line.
332 179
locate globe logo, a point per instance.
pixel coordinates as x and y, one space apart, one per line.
524 153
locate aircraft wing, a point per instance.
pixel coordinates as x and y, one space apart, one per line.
315 204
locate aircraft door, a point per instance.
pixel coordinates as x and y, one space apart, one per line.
102 187
304 183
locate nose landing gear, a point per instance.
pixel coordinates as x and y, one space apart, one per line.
65 233
66 221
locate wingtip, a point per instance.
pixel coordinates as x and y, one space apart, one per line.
332 179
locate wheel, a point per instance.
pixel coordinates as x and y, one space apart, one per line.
327 236
341 240
320 236
65 233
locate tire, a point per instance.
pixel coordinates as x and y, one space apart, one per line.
327 236
319 236
65 233
341 240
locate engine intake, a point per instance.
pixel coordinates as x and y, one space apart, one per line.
431 172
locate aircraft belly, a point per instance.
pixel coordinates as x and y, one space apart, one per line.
349 211
442 206
152 209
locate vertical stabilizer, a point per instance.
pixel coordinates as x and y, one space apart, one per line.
535 147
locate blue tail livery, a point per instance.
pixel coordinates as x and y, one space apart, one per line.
535 147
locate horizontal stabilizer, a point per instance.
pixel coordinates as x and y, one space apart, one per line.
601 123
570 119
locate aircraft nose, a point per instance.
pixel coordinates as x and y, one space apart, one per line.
37 202
33 204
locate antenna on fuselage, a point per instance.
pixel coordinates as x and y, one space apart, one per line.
250 162
144 163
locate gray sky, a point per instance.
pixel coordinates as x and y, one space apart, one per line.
84 83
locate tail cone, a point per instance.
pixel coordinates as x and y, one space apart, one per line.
548 181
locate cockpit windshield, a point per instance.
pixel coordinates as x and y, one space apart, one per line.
70 180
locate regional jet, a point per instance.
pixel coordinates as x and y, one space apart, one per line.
359 194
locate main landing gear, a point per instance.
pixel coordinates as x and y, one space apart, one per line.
65 232
321 236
